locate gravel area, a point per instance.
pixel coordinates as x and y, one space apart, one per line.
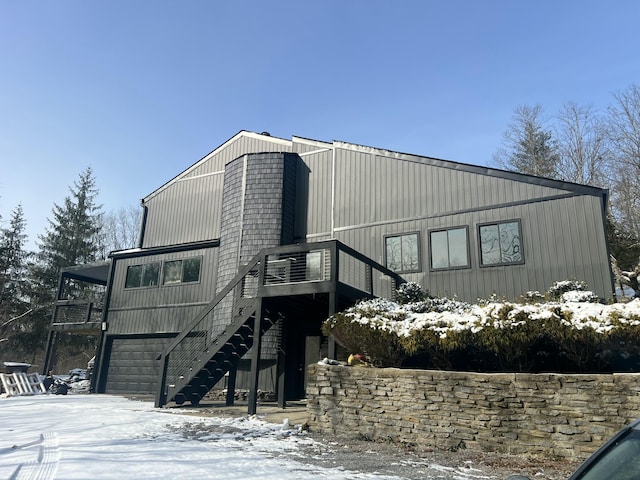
416 463
397 460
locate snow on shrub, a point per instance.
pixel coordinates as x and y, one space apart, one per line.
389 332
579 296
411 292
558 288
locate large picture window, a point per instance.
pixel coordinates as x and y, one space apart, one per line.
449 248
145 275
500 243
181 271
402 252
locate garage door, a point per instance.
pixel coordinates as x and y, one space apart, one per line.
133 367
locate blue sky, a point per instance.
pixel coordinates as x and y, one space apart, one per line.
140 90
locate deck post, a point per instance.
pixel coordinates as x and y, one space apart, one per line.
333 293
281 367
331 341
369 279
255 359
51 342
161 392
231 385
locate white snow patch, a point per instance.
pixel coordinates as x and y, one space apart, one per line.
111 437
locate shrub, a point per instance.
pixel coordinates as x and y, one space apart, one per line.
411 292
578 335
364 328
556 290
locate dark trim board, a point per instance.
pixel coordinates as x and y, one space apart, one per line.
182 247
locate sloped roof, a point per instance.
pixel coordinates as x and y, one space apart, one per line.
411 157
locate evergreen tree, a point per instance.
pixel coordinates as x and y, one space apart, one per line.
13 288
72 238
73 234
528 147
624 245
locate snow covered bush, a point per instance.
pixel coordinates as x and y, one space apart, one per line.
572 334
368 328
411 292
556 290
579 296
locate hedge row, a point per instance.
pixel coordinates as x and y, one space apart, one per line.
565 330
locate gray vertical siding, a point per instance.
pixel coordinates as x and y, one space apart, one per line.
188 208
563 238
372 188
360 194
163 308
314 194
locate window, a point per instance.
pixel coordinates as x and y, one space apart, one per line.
181 271
145 275
449 249
500 243
402 252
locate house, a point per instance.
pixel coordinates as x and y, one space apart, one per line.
254 245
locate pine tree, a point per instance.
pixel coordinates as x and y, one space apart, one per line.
72 238
528 147
14 305
73 233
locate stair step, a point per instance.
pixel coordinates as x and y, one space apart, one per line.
221 355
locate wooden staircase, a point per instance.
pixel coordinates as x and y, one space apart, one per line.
195 361
211 367
241 313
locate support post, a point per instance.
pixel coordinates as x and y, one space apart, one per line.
333 294
369 279
332 340
255 359
51 342
281 366
93 379
231 385
161 393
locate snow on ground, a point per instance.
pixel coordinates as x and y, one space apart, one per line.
105 436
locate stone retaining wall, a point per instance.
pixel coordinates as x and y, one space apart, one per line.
536 414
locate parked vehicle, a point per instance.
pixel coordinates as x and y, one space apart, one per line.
617 459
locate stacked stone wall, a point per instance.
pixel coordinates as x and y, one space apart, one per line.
557 415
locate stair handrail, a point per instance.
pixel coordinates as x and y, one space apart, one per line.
398 279
242 273
161 392
259 259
